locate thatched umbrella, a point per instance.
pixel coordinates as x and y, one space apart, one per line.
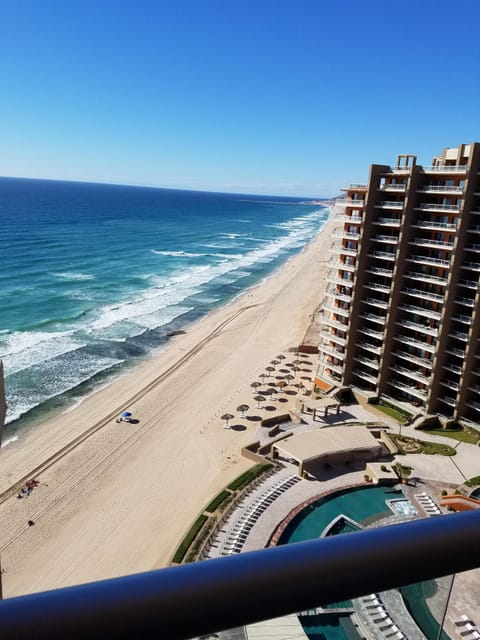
282 384
259 399
269 369
227 417
289 377
243 408
263 376
255 386
281 356
275 362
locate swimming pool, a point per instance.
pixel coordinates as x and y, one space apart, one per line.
361 504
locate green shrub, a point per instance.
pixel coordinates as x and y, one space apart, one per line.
472 482
245 478
213 506
188 539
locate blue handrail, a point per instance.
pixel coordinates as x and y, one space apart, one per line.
182 602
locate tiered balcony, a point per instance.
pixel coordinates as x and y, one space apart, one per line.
373 364
348 235
415 326
333 293
454 386
434 262
453 368
373 318
383 255
365 376
382 304
411 342
467 302
325 348
457 169
387 222
463 319
325 335
393 187
338 310
348 202
475 229
421 362
447 400
370 332
431 242
411 374
453 351
475 388
333 367
470 284
331 322
338 264
379 271
424 295
386 239
426 277
432 225
458 335
409 389
377 287
440 189
338 248
438 206
370 348
473 266
334 279
348 219
473 247
390 204
428 313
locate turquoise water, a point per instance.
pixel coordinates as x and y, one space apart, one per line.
414 596
359 504
325 626
94 277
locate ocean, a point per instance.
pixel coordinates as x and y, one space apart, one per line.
94 277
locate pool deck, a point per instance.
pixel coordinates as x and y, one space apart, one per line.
430 475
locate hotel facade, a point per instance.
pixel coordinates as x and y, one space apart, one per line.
401 318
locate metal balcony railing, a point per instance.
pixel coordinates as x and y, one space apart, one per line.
205 597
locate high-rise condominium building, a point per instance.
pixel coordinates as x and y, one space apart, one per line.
402 319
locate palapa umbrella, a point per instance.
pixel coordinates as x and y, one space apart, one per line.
255 386
275 362
269 369
263 376
259 399
282 384
281 356
243 408
227 417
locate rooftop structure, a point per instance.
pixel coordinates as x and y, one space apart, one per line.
401 316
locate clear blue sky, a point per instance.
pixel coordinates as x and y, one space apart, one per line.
254 96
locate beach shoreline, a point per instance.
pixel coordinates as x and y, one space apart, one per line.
119 500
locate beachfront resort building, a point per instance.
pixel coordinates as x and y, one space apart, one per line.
401 319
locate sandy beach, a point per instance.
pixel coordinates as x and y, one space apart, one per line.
115 499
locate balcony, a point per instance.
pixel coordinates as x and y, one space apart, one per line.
473 247
429 224
331 322
411 342
348 202
421 362
450 385
473 266
425 295
325 348
349 235
458 335
409 389
370 332
333 337
475 229
338 310
377 287
468 302
447 400
427 313
338 248
470 284
383 255
382 304
390 204
429 261
446 169
426 277
431 242
380 271
453 368
371 348
441 189
437 206
393 187
365 376
374 364
386 239
373 318
332 293
343 266
463 319
411 374
475 388
387 222
333 367
334 279
348 219
415 326
455 352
